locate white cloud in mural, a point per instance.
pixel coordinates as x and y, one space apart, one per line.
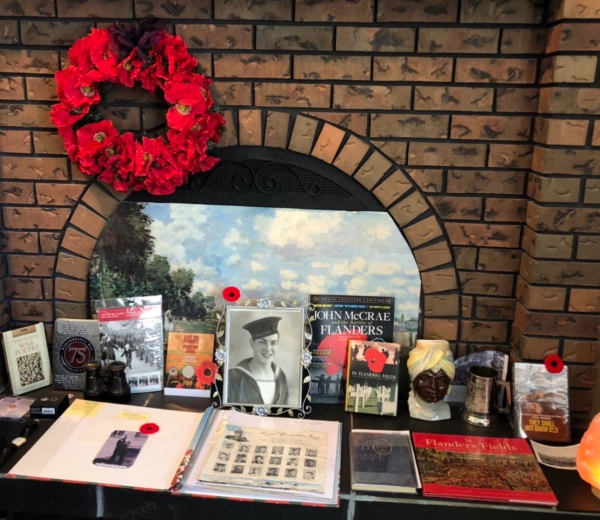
233 259
398 281
286 274
381 232
314 284
356 285
253 284
201 270
257 267
320 265
415 291
257 255
295 228
383 268
207 288
234 238
170 236
346 268
411 272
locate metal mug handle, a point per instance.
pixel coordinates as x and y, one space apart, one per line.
506 386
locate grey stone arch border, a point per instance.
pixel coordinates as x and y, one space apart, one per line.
353 155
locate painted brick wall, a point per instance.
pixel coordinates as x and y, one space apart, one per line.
489 105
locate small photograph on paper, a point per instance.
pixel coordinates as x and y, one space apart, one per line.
560 457
31 369
121 449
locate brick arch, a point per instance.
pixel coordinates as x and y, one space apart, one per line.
351 154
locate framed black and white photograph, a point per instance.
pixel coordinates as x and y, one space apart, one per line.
264 348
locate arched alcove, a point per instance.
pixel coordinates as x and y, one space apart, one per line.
271 158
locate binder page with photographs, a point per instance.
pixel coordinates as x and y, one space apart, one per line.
263 456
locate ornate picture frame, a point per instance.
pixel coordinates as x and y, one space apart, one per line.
263 350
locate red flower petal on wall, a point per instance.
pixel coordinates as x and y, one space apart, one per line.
375 360
231 294
554 364
149 428
205 373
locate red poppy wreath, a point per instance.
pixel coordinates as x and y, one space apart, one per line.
143 53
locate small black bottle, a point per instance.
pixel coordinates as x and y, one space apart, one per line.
118 390
95 389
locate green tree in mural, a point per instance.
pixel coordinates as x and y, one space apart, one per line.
125 264
183 279
124 249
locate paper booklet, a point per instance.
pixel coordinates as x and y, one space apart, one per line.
271 459
101 443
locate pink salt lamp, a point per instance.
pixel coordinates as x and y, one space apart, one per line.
588 456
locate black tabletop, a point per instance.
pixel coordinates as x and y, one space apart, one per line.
63 499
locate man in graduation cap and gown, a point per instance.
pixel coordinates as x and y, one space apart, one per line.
257 379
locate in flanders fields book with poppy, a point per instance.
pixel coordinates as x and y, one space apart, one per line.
372 377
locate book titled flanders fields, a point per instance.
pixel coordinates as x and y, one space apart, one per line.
383 461
27 358
372 377
481 468
335 321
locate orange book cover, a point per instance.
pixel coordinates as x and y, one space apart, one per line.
189 364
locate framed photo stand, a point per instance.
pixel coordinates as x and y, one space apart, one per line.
263 358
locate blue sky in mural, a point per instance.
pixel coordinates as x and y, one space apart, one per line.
288 253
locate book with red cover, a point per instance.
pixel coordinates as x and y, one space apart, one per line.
481 468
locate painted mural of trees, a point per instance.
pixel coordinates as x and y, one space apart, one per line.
124 265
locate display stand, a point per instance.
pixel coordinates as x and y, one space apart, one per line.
87 501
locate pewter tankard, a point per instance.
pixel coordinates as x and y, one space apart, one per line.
481 403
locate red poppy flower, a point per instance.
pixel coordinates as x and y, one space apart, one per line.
185 93
231 294
179 60
336 346
75 88
101 55
205 373
554 364
128 71
152 75
375 360
63 115
93 140
149 428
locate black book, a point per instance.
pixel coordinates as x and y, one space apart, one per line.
335 321
383 461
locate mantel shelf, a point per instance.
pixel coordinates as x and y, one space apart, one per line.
89 501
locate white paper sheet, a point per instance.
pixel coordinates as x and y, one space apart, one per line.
67 450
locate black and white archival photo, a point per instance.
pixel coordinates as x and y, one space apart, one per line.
263 357
121 449
139 345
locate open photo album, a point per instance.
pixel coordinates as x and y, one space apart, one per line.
220 453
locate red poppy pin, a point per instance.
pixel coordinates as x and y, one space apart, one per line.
149 428
205 373
375 359
231 294
554 364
